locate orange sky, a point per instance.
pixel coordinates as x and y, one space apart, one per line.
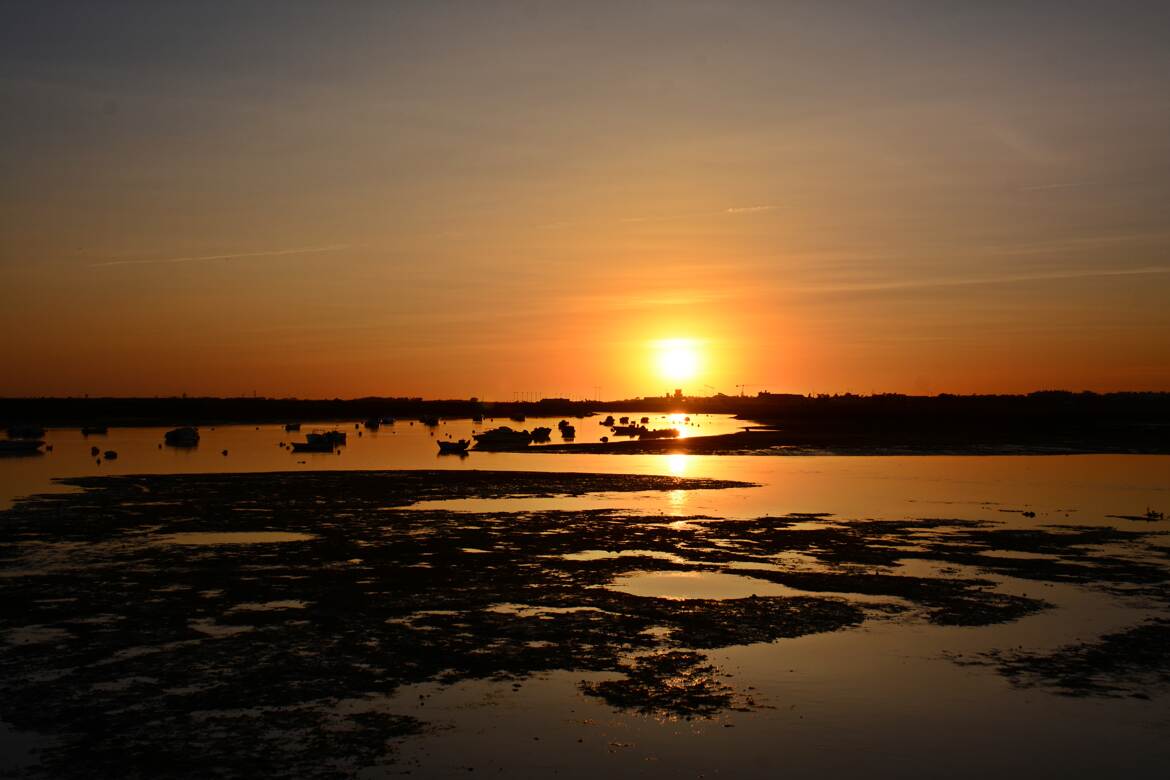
485 199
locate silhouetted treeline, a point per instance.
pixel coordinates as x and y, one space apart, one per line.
945 406
1112 422
216 411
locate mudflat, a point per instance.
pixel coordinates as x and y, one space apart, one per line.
268 620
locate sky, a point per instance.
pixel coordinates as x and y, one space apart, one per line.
497 199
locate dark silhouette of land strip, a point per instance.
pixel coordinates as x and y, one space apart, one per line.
1037 423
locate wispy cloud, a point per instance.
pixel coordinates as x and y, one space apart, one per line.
729 211
747 209
911 284
668 217
693 214
1063 185
1077 244
305 250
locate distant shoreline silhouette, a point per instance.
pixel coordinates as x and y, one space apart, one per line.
1046 421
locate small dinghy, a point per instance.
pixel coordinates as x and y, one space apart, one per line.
454 447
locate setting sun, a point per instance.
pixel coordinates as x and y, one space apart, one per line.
678 359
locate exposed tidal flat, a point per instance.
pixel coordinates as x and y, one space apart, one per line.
337 623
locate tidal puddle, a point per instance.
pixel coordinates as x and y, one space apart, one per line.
682 585
218 630
268 606
233 537
601 555
781 563
1019 554
533 609
30 635
510 504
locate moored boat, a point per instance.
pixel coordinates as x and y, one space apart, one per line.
182 437
318 445
500 438
454 447
333 438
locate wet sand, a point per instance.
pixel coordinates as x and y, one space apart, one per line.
153 621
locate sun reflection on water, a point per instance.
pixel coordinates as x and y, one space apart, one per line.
676 464
680 422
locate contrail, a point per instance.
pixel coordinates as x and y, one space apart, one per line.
269 253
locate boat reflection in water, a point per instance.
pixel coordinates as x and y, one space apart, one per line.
320 441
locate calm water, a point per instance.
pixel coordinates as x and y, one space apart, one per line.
404 445
1080 489
882 699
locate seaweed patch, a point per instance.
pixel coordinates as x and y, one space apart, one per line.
1134 662
674 683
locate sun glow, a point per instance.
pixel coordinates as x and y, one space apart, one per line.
677 464
678 359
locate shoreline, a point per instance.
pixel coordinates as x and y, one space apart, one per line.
789 443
